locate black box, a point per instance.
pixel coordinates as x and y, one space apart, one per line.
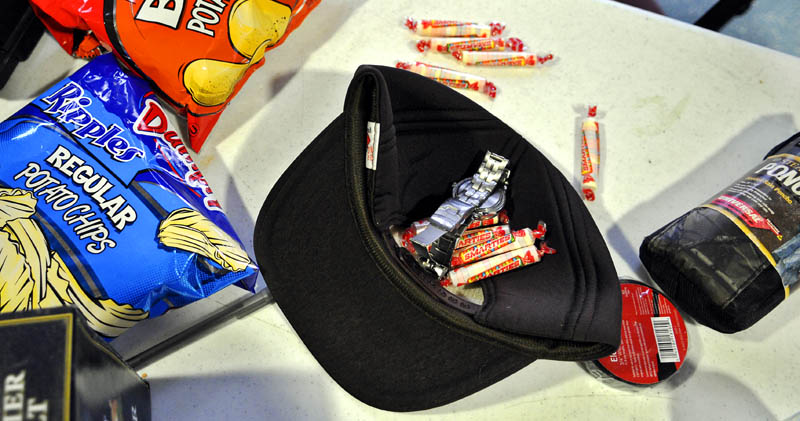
53 367
20 30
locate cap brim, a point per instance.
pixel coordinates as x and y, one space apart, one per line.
370 338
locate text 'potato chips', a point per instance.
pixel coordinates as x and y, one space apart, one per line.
101 206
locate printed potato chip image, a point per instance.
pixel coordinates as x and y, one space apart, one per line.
34 277
256 24
16 204
211 82
16 286
33 245
188 230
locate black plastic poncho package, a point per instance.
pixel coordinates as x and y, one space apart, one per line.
734 258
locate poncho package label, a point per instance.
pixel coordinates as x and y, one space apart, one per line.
198 54
764 206
101 206
733 259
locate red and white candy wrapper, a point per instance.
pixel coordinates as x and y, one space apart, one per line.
448 45
453 28
590 154
474 237
450 77
494 219
403 236
496 265
467 239
501 58
505 243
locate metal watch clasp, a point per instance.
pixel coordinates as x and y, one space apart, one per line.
472 198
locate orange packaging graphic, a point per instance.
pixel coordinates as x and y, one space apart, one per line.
196 53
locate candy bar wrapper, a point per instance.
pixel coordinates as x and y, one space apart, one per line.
196 54
590 154
477 236
492 266
453 28
450 77
500 58
102 208
449 45
493 219
504 243
402 237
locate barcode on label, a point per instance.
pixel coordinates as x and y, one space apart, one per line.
665 340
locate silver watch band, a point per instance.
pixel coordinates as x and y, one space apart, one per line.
474 197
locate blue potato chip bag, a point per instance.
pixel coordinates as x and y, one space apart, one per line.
102 208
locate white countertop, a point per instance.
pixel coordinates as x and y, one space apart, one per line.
687 111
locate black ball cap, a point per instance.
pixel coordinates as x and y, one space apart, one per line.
379 325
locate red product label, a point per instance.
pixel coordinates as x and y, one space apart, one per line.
443 23
472 45
653 341
482 250
586 161
480 236
746 213
498 218
505 266
455 83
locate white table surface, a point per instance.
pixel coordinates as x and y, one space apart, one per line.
687 111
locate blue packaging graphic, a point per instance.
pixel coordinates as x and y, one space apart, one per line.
101 206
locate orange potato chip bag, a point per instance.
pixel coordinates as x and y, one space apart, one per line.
197 54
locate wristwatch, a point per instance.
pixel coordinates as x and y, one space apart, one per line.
474 197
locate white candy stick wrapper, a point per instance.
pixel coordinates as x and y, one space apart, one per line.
453 28
501 58
450 44
590 155
471 238
504 243
450 77
494 265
